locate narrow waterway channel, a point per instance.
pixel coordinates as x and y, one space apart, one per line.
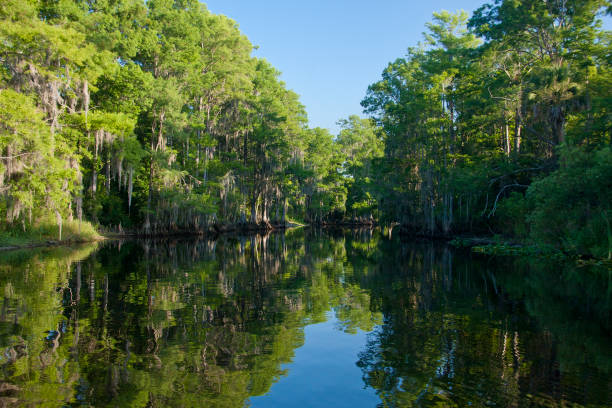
302 318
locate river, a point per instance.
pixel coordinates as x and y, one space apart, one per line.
306 318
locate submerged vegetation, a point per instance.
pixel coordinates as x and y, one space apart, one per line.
152 116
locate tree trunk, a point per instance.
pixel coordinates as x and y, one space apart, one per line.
517 131
79 209
244 153
130 188
58 218
264 207
506 137
147 225
558 125
161 143
276 211
206 164
107 168
94 172
254 208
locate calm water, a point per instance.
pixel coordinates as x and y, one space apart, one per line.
306 318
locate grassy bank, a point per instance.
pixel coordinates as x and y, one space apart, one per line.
47 232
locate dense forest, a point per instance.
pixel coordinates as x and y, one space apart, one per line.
501 123
155 117
152 115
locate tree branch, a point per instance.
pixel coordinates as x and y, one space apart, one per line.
15 156
499 194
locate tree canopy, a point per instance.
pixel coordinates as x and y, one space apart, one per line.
492 120
154 116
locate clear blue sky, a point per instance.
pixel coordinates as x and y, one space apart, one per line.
329 51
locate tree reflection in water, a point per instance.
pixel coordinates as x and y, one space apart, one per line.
215 322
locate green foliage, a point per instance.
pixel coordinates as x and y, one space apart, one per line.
572 207
152 115
360 145
34 179
46 229
511 215
521 251
469 125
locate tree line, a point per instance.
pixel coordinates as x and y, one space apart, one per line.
154 116
500 123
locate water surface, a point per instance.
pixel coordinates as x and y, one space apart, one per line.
308 318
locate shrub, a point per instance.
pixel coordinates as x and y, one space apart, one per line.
572 206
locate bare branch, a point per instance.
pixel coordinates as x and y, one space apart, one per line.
518 171
499 194
15 156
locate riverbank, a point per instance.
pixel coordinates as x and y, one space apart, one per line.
47 234
496 245
211 230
